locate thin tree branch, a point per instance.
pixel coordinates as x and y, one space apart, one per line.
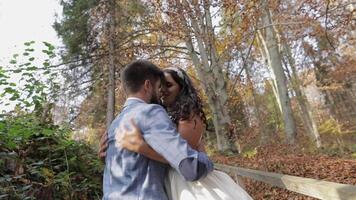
326 24
87 81
244 64
282 24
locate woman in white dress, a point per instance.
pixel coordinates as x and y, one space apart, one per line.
185 109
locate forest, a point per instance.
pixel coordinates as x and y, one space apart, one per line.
277 80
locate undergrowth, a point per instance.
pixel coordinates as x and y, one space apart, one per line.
40 161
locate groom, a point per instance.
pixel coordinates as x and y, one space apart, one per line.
129 175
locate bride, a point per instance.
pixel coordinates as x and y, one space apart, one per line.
184 106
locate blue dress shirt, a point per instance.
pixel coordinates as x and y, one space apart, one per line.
131 176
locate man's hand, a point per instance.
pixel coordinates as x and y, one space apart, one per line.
103 146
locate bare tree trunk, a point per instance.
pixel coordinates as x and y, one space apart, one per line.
304 105
210 73
110 110
221 119
265 57
274 61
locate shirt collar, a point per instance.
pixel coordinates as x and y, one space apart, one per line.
135 98
132 100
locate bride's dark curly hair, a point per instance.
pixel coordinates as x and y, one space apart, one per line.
188 102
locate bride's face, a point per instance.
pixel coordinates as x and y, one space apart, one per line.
169 90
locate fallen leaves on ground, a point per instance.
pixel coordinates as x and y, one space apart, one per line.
285 160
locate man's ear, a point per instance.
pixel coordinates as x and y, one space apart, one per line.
147 85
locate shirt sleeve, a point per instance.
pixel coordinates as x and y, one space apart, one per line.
161 134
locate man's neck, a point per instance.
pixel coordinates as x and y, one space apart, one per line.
138 96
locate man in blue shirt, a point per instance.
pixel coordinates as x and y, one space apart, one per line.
129 175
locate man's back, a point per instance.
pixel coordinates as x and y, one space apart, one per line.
129 175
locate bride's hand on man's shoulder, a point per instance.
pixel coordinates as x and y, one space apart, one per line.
130 139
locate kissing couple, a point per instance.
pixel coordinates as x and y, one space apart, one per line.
153 149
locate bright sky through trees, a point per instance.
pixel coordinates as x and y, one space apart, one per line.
26 20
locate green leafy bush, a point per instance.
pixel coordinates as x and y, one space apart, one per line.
40 161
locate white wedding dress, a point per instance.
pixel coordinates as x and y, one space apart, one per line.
216 185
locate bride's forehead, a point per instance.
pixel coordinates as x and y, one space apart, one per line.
168 77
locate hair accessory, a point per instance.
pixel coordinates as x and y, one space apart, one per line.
178 71
181 74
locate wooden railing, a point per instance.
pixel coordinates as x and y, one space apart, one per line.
307 186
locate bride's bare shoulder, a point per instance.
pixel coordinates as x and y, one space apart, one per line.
191 130
194 122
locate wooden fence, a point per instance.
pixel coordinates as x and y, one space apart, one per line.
307 186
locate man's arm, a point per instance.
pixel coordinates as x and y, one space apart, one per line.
161 134
132 140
